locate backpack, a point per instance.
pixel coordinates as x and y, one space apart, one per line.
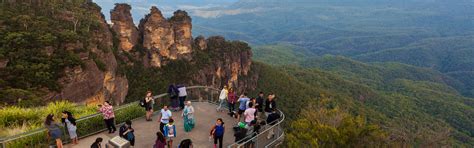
219 130
122 130
142 103
130 136
173 91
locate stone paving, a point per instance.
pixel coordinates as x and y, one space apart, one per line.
145 132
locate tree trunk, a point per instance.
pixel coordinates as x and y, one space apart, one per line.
76 22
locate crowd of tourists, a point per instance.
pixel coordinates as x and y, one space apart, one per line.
252 115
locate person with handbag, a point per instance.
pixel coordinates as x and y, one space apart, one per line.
149 105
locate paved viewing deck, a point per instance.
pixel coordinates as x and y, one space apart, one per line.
145 131
92 126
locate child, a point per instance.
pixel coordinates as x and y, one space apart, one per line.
217 132
170 132
70 123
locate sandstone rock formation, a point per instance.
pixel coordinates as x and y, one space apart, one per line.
182 26
231 66
166 39
123 26
200 43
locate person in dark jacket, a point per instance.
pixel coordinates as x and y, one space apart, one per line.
186 143
270 104
240 133
259 103
272 119
97 143
173 92
126 132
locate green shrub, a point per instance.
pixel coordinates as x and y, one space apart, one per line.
85 126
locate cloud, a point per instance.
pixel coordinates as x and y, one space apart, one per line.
219 13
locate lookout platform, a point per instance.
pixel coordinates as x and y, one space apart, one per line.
145 131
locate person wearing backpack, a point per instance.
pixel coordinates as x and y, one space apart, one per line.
148 105
126 132
217 132
173 92
170 132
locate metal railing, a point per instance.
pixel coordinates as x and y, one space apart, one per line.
271 136
129 111
132 111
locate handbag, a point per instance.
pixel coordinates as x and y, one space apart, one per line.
142 103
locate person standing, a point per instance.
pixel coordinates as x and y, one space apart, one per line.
170 132
148 105
173 92
160 140
217 132
249 114
54 131
186 143
108 112
270 104
182 95
231 99
271 120
222 98
126 132
70 122
188 116
242 104
97 143
252 100
259 104
165 117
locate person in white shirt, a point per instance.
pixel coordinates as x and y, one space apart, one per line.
164 118
182 95
222 98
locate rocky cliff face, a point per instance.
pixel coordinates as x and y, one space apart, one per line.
229 65
123 26
90 83
163 40
166 39
98 57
